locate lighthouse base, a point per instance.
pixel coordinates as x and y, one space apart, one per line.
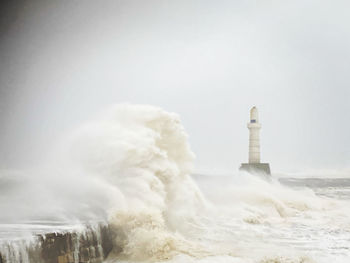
256 168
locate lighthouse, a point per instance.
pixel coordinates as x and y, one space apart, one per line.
254 165
254 139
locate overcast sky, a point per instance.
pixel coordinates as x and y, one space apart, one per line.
209 61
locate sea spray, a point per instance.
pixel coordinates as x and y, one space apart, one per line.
131 166
143 151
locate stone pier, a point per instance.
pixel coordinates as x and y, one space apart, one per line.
91 246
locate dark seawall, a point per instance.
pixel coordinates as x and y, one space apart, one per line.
89 246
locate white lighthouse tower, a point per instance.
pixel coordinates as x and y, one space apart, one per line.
254 165
254 140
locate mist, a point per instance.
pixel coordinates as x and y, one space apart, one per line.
61 62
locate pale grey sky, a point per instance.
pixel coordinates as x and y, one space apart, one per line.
210 61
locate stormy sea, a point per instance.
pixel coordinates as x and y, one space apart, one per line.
122 188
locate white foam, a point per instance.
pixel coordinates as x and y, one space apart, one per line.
143 151
133 163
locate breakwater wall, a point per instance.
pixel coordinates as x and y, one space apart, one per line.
91 245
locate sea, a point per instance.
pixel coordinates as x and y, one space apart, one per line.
132 169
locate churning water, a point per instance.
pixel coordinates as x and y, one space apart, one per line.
131 167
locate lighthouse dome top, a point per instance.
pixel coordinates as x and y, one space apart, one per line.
254 115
